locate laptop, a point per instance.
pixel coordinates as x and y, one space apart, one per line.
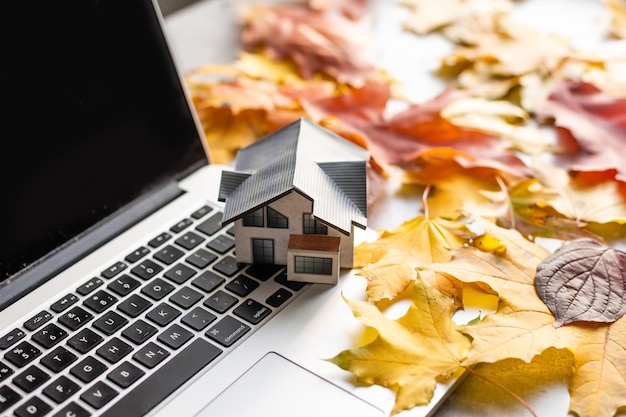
120 294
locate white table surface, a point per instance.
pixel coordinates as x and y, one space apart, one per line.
205 32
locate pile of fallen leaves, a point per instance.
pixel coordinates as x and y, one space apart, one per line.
493 179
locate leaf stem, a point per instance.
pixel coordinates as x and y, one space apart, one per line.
425 201
505 389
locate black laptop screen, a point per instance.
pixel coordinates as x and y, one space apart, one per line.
93 116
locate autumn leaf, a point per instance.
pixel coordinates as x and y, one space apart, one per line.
412 353
523 327
593 125
317 42
583 280
618 17
573 198
354 9
389 263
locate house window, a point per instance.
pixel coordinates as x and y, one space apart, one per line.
311 226
254 218
276 220
262 251
313 265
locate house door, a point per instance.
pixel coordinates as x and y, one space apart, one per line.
263 251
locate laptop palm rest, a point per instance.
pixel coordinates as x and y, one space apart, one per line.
277 387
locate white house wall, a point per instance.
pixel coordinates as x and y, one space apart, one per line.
292 206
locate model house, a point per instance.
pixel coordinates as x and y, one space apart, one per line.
295 197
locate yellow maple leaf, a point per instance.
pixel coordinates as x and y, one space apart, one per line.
618 17
523 327
600 202
410 354
389 263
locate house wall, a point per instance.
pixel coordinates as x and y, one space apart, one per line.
293 205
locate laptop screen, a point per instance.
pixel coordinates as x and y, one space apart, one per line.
93 117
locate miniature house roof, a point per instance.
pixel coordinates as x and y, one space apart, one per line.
306 158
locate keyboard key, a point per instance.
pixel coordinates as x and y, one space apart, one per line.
123 285
137 254
73 410
49 336
88 369
263 272
222 244
201 258
59 359
228 266
181 225
168 255
151 355
211 225
75 318
189 240
31 378
110 322
220 301
185 297
114 350
125 375
208 281
252 311
159 240
8 397
198 318
134 305
38 320
85 340
11 338
227 331
280 296
201 212
292 285
61 389
90 286
99 395
157 289
5 371
114 269
167 379
163 314
242 285
175 336
100 301
139 332
180 273
64 303
33 407
146 269
22 354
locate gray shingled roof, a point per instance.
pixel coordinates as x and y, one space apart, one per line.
301 157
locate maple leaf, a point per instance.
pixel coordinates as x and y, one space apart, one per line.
316 42
389 263
598 202
583 280
592 124
459 20
412 353
523 327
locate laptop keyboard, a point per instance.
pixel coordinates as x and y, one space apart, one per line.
122 341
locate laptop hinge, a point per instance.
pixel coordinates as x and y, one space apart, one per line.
18 285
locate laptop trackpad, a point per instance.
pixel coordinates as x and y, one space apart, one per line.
277 387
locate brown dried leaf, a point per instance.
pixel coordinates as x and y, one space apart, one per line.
583 280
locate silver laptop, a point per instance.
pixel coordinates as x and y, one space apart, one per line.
120 294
